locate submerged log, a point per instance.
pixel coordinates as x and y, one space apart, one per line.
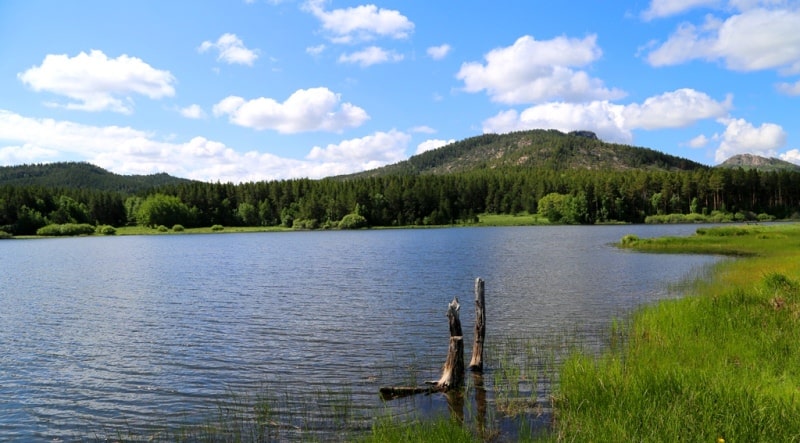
392 392
476 364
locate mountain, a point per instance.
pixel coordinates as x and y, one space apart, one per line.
81 175
750 161
533 149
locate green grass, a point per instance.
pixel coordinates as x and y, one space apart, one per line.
723 362
523 219
143 230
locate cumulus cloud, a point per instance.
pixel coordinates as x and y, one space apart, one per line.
193 112
315 109
674 109
367 152
741 137
125 150
231 50
371 56
532 71
602 117
438 52
360 23
25 154
699 142
96 82
614 122
429 145
756 39
792 155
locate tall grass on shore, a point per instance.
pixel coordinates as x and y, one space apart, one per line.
721 363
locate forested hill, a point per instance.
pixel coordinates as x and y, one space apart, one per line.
535 149
80 175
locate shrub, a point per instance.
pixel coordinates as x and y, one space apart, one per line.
166 210
67 229
162 228
305 223
106 230
695 218
217 228
5 235
178 228
724 231
629 239
353 221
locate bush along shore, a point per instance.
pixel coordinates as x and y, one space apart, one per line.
721 364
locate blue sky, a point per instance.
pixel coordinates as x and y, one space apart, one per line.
248 90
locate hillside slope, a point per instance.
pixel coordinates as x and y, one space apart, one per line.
533 149
750 161
81 175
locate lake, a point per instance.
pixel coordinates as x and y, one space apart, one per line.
107 333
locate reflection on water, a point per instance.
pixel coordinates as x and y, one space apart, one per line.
131 331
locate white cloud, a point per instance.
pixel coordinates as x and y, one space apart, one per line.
741 137
602 117
193 112
666 8
613 122
429 145
360 23
792 155
315 109
699 142
371 56
364 153
756 39
315 50
531 71
423 129
96 82
231 50
789 88
125 150
16 155
438 52
674 109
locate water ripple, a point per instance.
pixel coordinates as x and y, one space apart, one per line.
102 334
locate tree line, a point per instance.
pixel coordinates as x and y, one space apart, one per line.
572 196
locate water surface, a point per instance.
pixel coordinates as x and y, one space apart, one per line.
106 332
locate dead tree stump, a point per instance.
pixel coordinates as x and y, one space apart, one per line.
476 364
453 370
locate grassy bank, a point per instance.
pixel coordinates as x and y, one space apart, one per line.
723 362
524 219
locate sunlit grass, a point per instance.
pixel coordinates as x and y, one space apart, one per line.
144 230
523 219
723 362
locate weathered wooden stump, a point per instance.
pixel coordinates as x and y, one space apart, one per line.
476 364
453 370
